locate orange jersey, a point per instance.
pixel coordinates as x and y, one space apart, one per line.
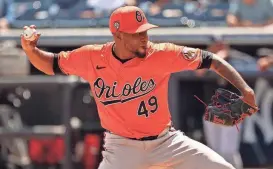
132 98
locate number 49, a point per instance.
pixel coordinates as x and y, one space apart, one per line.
142 109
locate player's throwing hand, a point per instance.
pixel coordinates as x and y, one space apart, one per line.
40 59
29 43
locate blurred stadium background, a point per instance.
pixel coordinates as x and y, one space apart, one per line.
52 122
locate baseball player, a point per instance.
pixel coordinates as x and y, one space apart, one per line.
129 81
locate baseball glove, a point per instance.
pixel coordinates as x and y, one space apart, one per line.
227 108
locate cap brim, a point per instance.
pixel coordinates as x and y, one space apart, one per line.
142 28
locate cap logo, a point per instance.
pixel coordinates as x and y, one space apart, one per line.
139 17
116 25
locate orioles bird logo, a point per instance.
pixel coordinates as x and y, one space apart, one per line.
64 55
116 25
139 17
189 53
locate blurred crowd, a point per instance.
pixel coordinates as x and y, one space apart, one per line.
165 13
14 14
55 13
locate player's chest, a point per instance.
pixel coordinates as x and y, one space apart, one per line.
123 83
125 73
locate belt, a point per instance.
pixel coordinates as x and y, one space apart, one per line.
148 138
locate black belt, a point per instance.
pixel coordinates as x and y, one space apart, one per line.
149 138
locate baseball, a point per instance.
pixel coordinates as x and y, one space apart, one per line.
29 34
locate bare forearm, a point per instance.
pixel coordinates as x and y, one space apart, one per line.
225 70
42 60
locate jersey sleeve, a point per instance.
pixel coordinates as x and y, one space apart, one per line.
75 62
183 58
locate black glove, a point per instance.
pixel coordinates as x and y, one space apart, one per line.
227 108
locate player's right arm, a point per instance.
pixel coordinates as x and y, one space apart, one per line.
40 59
74 62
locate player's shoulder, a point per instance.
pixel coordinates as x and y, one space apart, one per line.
165 47
171 49
96 48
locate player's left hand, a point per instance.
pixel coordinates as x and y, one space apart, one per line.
249 98
228 108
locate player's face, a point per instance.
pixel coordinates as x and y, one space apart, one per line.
136 43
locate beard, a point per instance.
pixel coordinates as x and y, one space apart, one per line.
141 53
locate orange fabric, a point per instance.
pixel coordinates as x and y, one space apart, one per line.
129 19
78 64
132 98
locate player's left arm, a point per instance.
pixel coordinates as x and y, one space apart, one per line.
186 58
228 72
